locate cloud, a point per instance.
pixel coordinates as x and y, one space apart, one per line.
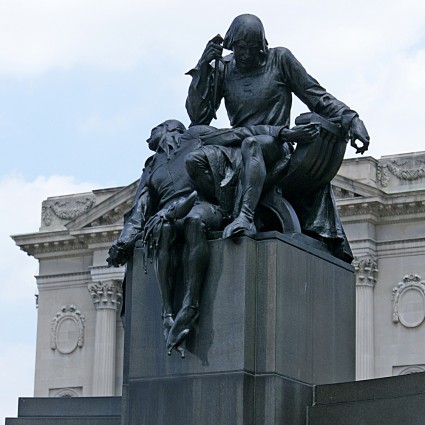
369 56
50 34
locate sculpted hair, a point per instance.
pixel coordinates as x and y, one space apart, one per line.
172 125
248 28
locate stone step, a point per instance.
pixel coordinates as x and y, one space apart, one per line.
64 421
73 406
390 401
68 411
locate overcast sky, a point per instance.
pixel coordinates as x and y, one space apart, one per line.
82 83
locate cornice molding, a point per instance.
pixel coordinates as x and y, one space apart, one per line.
52 247
91 236
380 209
66 242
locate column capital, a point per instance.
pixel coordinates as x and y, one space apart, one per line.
106 295
366 269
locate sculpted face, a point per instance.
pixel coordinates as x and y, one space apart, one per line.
247 55
157 134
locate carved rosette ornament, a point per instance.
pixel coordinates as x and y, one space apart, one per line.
67 330
366 271
106 294
409 301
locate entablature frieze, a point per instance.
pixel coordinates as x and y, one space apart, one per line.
401 248
94 237
66 243
43 246
377 209
106 273
363 247
63 280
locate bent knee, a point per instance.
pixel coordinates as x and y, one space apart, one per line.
194 222
250 142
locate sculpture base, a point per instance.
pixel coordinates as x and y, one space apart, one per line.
276 317
223 398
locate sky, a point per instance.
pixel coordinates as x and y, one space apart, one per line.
83 82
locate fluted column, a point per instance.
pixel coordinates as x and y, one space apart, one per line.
366 273
107 297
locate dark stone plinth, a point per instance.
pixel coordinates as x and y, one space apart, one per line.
223 398
276 317
390 401
68 411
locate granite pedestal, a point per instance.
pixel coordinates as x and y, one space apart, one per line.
277 316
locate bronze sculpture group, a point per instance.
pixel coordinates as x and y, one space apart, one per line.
204 179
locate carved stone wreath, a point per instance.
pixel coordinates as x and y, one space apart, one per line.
409 301
67 330
395 169
66 209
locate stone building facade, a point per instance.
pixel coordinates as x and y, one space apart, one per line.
79 331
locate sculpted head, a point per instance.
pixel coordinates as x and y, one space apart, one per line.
165 135
246 37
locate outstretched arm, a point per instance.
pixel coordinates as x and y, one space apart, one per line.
323 103
235 136
134 221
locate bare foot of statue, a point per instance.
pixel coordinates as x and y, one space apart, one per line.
241 225
181 328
